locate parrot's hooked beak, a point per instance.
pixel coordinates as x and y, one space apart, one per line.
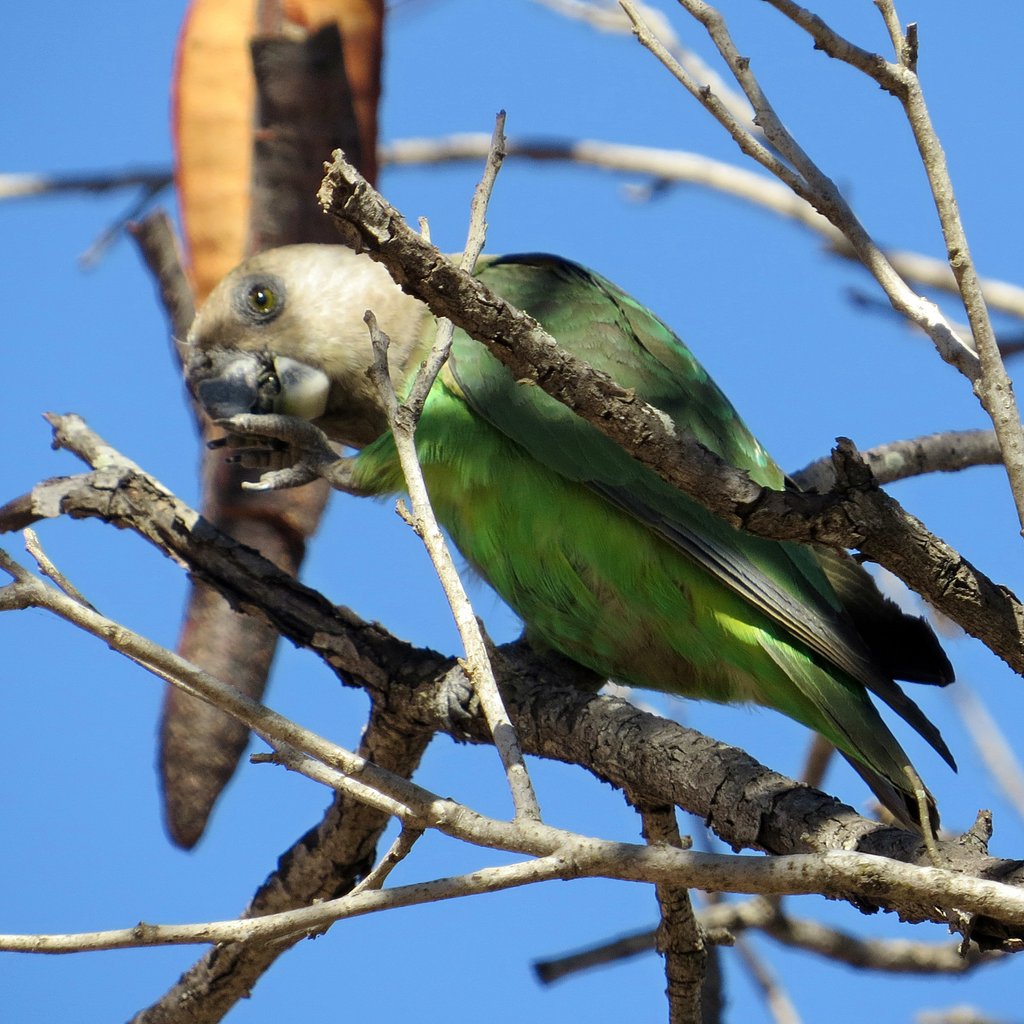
229 382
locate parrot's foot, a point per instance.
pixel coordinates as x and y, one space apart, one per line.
253 452
927 816
292 450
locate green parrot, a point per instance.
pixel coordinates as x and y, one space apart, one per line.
602 560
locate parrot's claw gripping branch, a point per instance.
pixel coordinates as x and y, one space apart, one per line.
309 451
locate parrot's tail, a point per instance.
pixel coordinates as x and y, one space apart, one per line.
908 802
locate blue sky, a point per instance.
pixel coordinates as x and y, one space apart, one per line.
759 302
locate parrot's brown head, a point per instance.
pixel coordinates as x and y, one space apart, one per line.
284 333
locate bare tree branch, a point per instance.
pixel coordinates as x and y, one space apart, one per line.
746 804
679 936
25 186
669 165
663 165
402 420
834 873
947 452
803 176
160 249
622 948
607 16
776 999
896 956
992 384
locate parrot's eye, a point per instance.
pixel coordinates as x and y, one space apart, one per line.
259 299
262 299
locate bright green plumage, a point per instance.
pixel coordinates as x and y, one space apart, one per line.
611 566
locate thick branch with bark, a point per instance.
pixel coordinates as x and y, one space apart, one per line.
559 854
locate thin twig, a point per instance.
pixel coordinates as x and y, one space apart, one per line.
402 419
720 919
804 177
776 999
400 849
310 919
780 1006
894 956
609 17
680 938
475 240
160 248
707 97
98 249
48 569
987 374
994 388
25 186
614 951
1011 340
